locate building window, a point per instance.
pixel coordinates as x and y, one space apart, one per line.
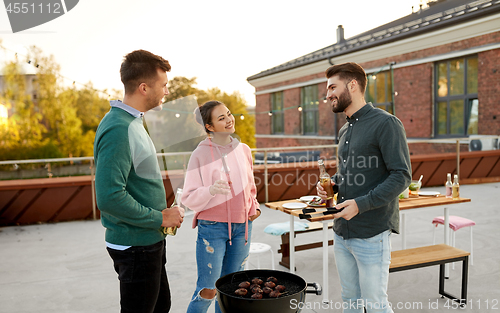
277 122
457 106
309 103
379 91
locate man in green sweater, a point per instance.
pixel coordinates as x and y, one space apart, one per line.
373 169
129 187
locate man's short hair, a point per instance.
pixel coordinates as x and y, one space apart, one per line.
140 66
348 71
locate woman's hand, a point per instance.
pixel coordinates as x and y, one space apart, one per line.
254 217
220 187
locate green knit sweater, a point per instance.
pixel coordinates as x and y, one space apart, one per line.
129 187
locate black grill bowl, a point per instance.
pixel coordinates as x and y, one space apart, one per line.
290 302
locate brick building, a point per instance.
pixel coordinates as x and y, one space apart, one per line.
437 69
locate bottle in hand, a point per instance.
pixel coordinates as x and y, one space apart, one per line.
172 231
325 180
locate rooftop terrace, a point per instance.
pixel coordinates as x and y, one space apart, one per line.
64 267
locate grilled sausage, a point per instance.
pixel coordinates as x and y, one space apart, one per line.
274 294
244 284
270 284
241 292
280 288
257 281
267 290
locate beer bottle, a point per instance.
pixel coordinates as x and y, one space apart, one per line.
455 188
448 185
325 180
172 230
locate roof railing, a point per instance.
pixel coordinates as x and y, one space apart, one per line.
266 151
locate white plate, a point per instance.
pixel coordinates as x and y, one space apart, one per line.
307 198
294 205
428 193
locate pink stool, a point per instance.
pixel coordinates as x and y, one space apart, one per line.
456 222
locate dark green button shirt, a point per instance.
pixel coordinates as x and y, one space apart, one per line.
373 169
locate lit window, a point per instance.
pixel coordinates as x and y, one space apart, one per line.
277 116
379 91
309 104
457 105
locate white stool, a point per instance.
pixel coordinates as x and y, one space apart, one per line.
456 222
256 248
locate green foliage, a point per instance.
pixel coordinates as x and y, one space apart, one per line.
46 150
23 129
90 106
58 107
245 129
180 87
49 120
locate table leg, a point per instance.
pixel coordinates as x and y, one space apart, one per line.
403 231
446 238
325 261
292 245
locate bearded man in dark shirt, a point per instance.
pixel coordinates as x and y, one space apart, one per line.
373 168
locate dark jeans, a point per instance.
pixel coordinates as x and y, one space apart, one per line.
143 278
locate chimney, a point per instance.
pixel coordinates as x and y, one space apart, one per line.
340 34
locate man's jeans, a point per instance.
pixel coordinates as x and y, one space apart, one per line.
143 278
215 258
363 267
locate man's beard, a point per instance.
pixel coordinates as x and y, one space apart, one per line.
154 102
342 102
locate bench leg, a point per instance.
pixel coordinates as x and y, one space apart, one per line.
465 276
465 279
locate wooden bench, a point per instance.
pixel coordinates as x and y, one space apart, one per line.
441 254
285 242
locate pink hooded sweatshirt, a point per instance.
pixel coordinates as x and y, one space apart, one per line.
205 167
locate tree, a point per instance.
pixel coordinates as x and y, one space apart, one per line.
22 133
54 121
181 87
90 107
56 106
71 116
68 131
57 121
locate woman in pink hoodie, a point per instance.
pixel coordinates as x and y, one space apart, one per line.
220 188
